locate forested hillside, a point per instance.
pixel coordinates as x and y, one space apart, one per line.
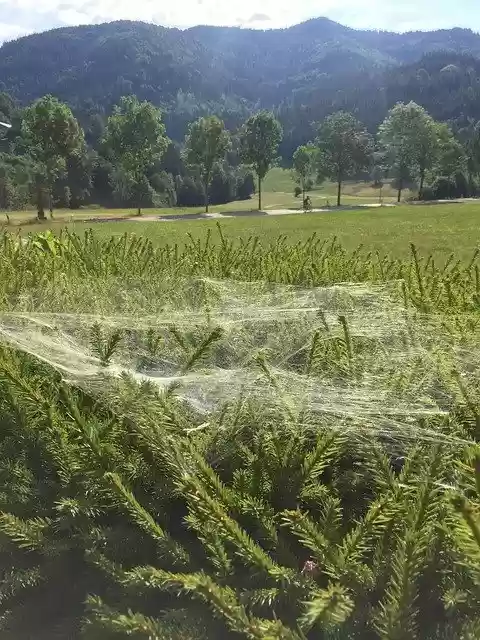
304 72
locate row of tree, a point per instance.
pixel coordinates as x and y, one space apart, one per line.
45 159
137 165
410 147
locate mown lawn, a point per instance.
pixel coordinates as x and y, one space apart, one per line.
277 194
438 229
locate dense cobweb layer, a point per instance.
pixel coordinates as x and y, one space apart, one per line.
349 355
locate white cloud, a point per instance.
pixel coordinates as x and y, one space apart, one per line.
22 16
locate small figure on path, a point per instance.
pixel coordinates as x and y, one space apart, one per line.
307 204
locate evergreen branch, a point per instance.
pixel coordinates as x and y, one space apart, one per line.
222 600
330 518
210 480
356 543
465 508
104 347
396 617
179 339
213 545
310 535
130 623
15 581
209 510
26 534
106 566
201 351
466 536
170 548
262 597
31 397
379 465
328 446
329 608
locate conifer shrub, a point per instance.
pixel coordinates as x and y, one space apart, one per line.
128 510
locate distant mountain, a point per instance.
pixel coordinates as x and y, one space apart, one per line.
303 72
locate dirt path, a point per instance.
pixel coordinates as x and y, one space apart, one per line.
234 214
216 215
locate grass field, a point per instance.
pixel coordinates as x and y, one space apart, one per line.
277 194
438 229
279 188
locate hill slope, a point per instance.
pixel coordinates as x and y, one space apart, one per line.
304 72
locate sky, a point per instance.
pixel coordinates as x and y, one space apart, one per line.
19 17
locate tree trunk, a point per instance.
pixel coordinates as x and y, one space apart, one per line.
40 203
470 183
207 194
422 180
339 191
50 201
137 177
259 193
399 196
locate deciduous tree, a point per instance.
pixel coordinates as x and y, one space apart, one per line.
52 134
206 144
452 157
345 147
260 137
304 166
135 137
409 137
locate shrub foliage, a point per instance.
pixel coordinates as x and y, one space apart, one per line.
130 514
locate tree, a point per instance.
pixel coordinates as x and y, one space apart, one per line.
223 186
427 145
245 184
470 138
452 157
345 147
135 138
79 177
409 137
164 185
304 166
52 133
260 137
189 191
206 144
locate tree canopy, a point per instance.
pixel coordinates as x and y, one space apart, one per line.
410 140
52 133
260 137
304 164
206 143
345 147
135 137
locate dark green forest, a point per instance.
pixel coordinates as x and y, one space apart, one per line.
303 73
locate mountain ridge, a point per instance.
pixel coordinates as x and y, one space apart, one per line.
303 72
